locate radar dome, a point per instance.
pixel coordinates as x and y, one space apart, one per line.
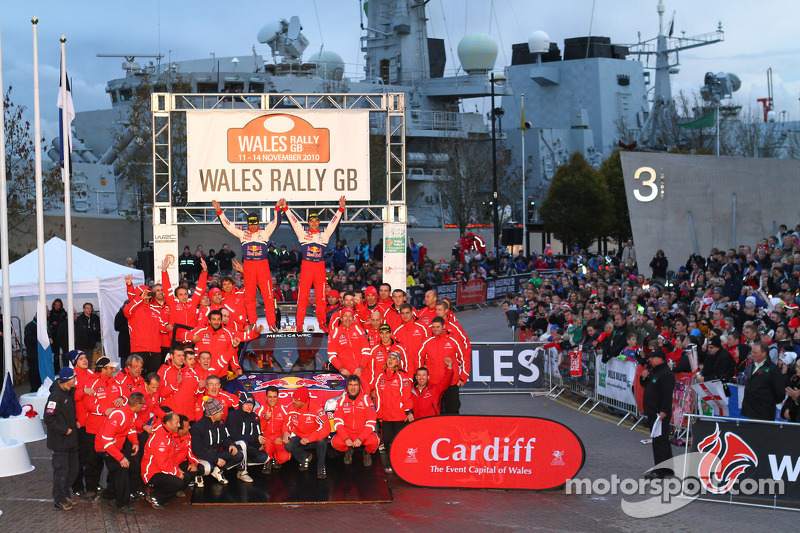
330 65
268 32
539 42
477 53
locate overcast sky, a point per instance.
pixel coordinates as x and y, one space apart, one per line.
758 35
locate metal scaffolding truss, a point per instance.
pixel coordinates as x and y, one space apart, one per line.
386 114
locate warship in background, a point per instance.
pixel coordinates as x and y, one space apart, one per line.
586 99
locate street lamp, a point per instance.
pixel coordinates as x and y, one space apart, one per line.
499 79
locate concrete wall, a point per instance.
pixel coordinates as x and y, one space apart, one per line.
765 193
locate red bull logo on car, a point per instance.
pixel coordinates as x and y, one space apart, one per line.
293 382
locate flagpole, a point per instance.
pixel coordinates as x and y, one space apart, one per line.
524 198
37 146
7 355
65 131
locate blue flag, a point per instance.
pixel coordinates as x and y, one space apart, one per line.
9 404
46 369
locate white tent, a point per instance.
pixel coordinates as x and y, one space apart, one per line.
94 280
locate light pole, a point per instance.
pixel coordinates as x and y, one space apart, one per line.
496 217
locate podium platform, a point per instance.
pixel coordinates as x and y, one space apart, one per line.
345 484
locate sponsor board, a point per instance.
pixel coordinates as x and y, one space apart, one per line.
513 366
741 454
497 452
615 380
249 155
471 292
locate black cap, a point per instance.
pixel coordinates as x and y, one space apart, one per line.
313 215
385 327
715 341
252 220
658 352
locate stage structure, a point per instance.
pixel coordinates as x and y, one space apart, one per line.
249 150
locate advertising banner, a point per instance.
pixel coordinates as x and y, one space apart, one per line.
711 398
165 246
471 292
252 155
394 254
615 380
512 366
739 456
487 452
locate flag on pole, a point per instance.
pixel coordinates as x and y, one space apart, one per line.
70 115
522 117
9 404
46 369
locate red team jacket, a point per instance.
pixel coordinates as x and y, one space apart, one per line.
426 401
310 422
118 426
160 455
347 347
393 396
355 418
106 391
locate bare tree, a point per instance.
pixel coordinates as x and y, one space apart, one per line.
464 181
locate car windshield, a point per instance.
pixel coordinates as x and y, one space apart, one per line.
283 353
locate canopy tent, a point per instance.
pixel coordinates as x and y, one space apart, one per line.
94 279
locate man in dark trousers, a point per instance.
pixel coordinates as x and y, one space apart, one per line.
62 437
87 330
659 384
765 385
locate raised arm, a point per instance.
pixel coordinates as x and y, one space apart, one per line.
276 222
294 222
334 221
227 224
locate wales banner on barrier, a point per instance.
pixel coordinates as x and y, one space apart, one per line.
615 380
506 366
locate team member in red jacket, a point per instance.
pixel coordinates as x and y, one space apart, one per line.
233 298
107 395
426 314
118 443
255 244
130 378
170 374
348 302
410 335
213 390
148 418
190 388
182 309
393 400
313 242
376 358
371 331
347 346
455 330
145 326
432 355
391 315
306 428
85 485
426 397
384 297
273 417
159 463
220 343
354 423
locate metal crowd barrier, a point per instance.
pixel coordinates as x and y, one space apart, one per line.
587 385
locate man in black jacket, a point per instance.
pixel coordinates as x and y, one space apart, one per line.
765 385
87 330
32 352
659 384
225 260
718 363
62 437
212 444
244 427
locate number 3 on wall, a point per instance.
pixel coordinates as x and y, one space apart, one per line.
649 183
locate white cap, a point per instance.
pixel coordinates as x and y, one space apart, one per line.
788 358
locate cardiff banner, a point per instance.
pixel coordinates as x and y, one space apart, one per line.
251 155
487 452
471 292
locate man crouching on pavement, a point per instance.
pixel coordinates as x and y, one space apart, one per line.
212 444
355 421
306 428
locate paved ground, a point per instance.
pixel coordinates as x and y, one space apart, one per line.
25 500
